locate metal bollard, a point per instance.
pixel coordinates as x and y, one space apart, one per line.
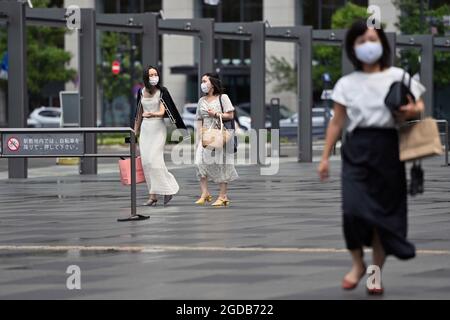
275 120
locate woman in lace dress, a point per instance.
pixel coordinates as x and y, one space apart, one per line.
216 165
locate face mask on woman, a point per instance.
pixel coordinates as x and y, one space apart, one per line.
154 80
369 52
205 88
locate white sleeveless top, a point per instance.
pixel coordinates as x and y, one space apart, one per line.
151 104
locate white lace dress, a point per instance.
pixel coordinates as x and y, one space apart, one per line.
215 165
151 143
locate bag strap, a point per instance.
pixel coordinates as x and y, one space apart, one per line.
220 101
140 107
221 107
212 124
407 70
221 122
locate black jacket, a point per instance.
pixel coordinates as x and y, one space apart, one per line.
165 95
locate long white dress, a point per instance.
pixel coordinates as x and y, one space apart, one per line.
152 141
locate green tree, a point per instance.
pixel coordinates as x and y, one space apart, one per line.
410 23
327 59
46 57
117 46
282 73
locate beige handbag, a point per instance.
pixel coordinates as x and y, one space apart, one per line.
419 139
215 138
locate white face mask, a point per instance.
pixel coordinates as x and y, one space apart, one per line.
369 52
154 80
205 88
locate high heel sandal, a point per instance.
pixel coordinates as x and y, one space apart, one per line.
221 202
167 198
348 285
203 200
375 291
151 202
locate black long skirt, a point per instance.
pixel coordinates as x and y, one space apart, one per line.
374 192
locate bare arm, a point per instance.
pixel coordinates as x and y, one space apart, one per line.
412 110
334 130
138 121
225 116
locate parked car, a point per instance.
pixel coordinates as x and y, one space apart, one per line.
243 118
189 112
285 113
188 115
320 116
44 117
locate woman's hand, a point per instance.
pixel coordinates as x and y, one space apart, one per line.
323 170
212 113
148 115
409 111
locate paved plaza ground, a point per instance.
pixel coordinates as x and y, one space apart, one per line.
281 238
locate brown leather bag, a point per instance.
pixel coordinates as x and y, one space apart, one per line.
419 139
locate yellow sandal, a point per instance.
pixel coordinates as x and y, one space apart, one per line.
221 202
203 200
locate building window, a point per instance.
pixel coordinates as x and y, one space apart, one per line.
233 10
132 6
318 13
151 5
231 51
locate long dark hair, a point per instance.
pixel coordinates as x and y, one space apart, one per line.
357 29
146 80
215 82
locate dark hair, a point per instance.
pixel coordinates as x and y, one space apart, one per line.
215 82
357 29
146 80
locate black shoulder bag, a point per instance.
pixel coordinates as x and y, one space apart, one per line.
397 97
398 94
230 125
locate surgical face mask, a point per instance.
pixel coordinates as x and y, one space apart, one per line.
205 88
154 80
369 52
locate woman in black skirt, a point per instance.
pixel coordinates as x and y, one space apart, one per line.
374 191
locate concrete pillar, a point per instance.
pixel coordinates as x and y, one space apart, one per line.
177 50
280 13
71 41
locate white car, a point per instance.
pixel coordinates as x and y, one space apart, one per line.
188 115
45 117
243 112
288 127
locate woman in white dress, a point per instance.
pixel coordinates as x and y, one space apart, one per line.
216 165
150 124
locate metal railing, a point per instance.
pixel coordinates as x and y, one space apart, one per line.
84 131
